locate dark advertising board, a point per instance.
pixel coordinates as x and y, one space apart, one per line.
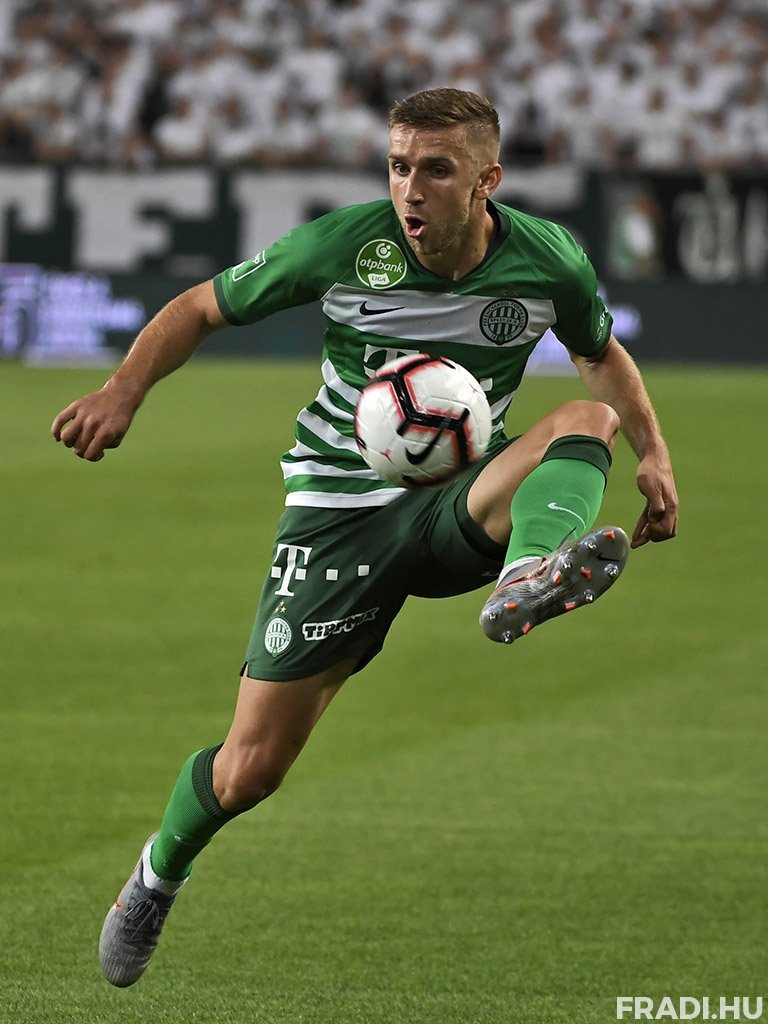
87 256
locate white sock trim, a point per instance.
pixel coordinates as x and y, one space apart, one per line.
154 881
518 568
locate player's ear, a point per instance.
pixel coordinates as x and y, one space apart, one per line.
488 181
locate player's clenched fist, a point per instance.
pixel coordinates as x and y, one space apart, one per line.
94 423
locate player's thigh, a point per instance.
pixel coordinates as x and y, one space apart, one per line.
272 722
268 711
494 487
456 555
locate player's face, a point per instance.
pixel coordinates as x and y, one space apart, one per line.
438 188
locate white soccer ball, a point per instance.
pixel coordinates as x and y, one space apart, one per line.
420 419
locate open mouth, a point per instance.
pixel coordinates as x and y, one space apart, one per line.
414 226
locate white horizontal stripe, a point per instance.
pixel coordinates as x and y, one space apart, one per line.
301 450
425 316
500 407
324 399
326 432
335 383
308 467
321 499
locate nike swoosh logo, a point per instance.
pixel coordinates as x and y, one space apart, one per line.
366 311
559 508
416 458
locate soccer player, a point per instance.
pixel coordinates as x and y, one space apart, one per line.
440 268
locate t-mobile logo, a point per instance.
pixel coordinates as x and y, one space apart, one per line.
296 559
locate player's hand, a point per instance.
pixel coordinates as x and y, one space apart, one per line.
94 423
659 519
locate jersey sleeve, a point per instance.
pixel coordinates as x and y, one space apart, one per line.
282 276
583 321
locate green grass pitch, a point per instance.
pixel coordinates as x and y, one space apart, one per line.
474 834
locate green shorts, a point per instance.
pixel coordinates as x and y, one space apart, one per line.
340 576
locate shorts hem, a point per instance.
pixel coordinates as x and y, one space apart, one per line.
473 532
287 675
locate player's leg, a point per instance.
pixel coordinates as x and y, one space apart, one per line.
272 722
541 495
337 580
577 439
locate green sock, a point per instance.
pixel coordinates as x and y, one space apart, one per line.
192 818
560 498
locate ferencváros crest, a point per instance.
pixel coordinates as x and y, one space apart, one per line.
503 320
278 636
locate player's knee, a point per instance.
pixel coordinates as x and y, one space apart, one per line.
243 783
594 419
607 420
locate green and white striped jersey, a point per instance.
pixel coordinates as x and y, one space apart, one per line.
380 302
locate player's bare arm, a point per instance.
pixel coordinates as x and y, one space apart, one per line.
100 420
613 377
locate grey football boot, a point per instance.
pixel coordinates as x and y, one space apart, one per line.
577 573
132 928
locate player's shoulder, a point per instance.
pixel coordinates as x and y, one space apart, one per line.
550 247
349 223
539 233
346 246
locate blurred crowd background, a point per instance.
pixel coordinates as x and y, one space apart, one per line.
640 84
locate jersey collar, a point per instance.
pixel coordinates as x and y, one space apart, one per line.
503 228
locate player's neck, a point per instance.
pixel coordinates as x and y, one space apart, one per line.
467 253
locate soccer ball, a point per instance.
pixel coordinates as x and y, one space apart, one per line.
419 420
